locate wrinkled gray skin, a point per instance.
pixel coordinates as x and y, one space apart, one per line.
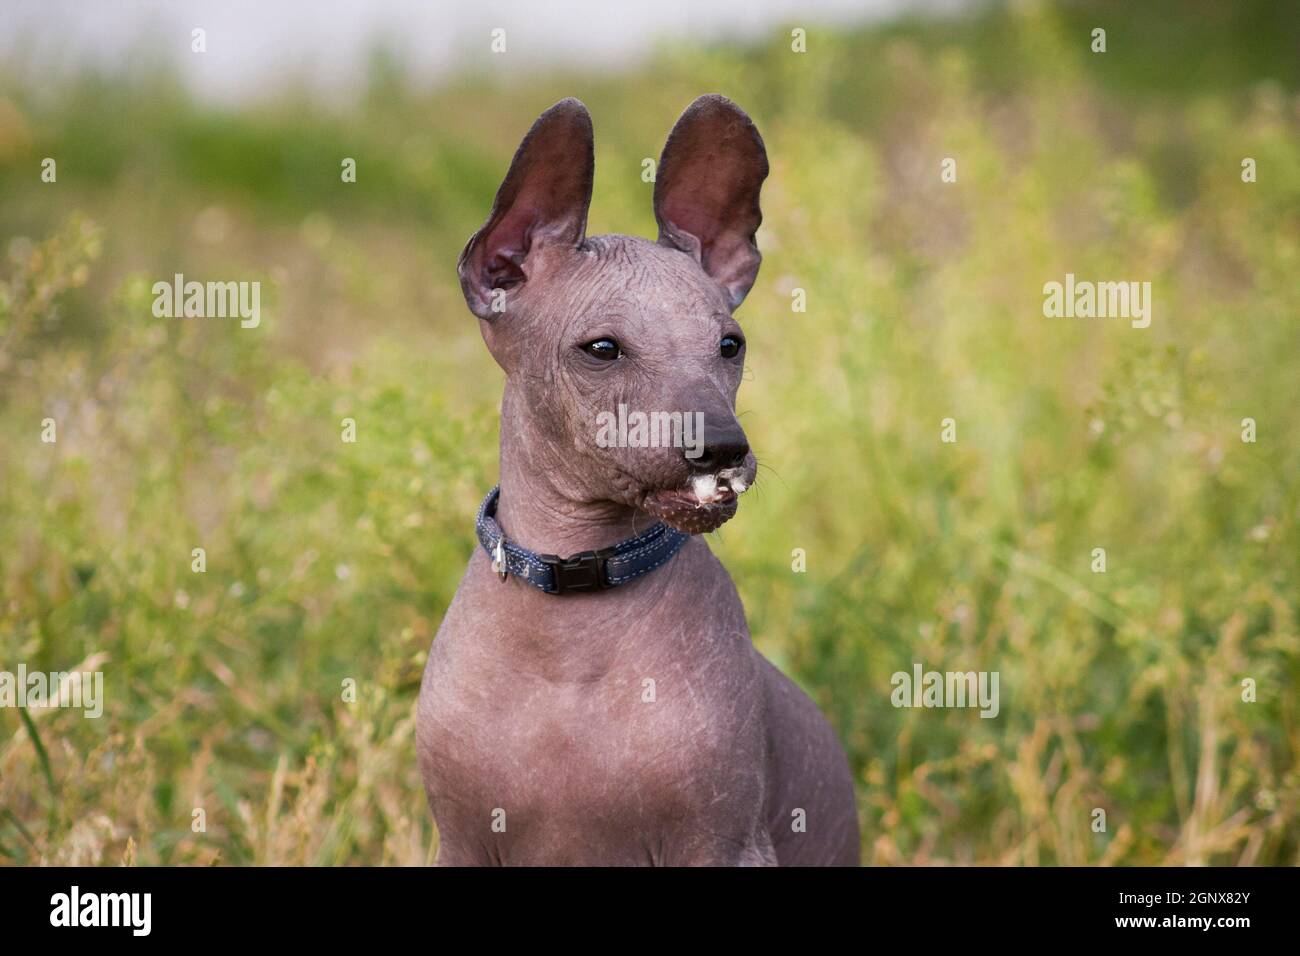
636 725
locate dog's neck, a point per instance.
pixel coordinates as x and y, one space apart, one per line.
535 515
543 512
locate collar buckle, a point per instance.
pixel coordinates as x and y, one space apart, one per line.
584 571
499 558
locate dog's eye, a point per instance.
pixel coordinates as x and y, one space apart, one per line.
604 349
730 347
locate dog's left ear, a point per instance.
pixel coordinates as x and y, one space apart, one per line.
706 192
544 199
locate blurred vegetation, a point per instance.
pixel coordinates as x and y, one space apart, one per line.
328 561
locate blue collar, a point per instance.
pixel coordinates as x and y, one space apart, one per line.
584 571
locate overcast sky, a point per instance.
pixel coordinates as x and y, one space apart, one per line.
255 44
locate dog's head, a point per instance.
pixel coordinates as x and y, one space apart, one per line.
618 349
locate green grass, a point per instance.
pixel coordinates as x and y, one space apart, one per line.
329 561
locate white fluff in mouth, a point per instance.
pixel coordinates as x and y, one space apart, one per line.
710 488
734 478
705 488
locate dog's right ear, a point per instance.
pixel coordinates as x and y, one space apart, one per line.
544 199
706 192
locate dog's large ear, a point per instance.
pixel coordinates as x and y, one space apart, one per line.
544 199
706 192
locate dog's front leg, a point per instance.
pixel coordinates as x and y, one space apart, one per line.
756 850
454 853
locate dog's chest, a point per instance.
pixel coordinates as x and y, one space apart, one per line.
520 749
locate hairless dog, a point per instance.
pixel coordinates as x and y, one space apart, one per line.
609 707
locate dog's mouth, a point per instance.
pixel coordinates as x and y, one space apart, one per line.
703 504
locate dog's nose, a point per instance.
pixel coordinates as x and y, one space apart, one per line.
726 451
